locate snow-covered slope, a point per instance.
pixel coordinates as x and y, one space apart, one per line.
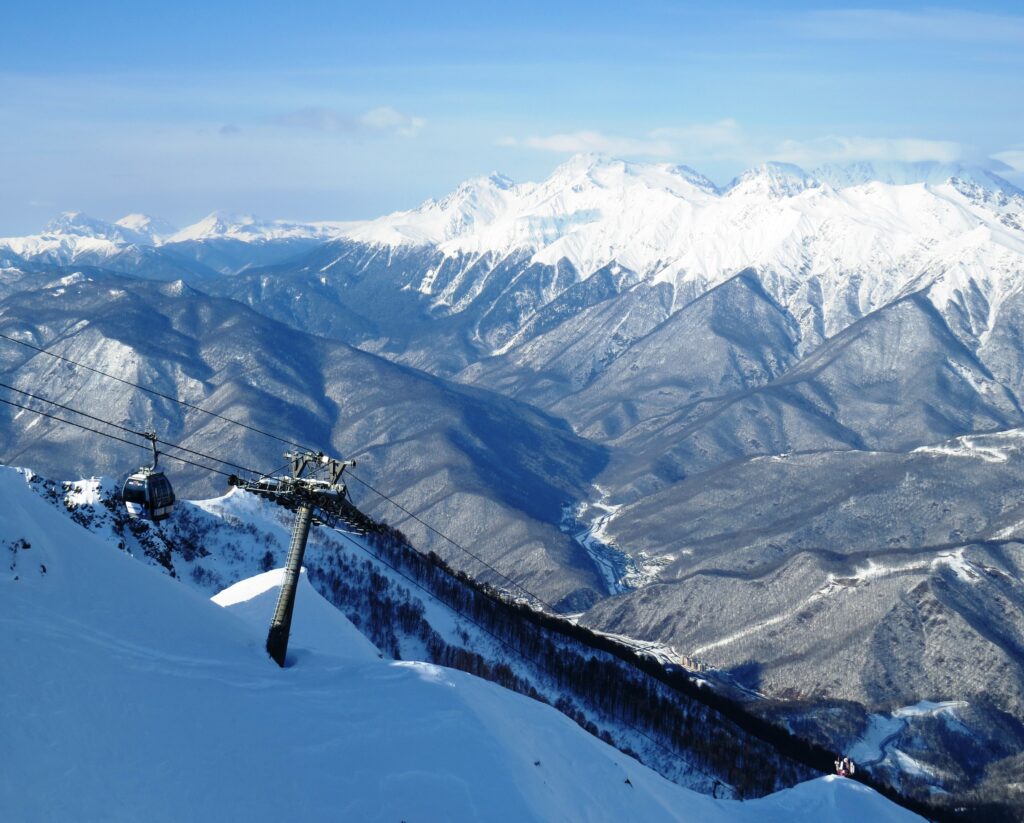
129 696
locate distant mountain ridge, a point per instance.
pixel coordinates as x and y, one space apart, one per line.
858 241
494 213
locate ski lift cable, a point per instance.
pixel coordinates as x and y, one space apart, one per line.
453 542
151 391
411 580
625 641
343 535
111 436
254 429
674 754
175 446
281 439
338 531
128 430
186 404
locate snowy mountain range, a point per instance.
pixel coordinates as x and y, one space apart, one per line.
74 229
669 223
794 402
661 221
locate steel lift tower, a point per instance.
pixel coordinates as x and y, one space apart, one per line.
321 500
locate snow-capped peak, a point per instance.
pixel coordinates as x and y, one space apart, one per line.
586 163
475 192
904 174
611 172
79 224
215 224
615 197
670 223
250 229
131 229
774 180
71 236
153 229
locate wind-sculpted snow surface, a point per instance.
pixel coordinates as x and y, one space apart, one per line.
129 696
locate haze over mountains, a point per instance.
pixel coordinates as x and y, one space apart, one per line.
795 402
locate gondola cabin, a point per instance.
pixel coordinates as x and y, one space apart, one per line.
148 495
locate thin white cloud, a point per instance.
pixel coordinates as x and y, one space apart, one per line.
952 25
725 141
687 139
593 141
387 119
1014 158
718 133
835 149
379 121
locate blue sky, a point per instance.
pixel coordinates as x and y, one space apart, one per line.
343 111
